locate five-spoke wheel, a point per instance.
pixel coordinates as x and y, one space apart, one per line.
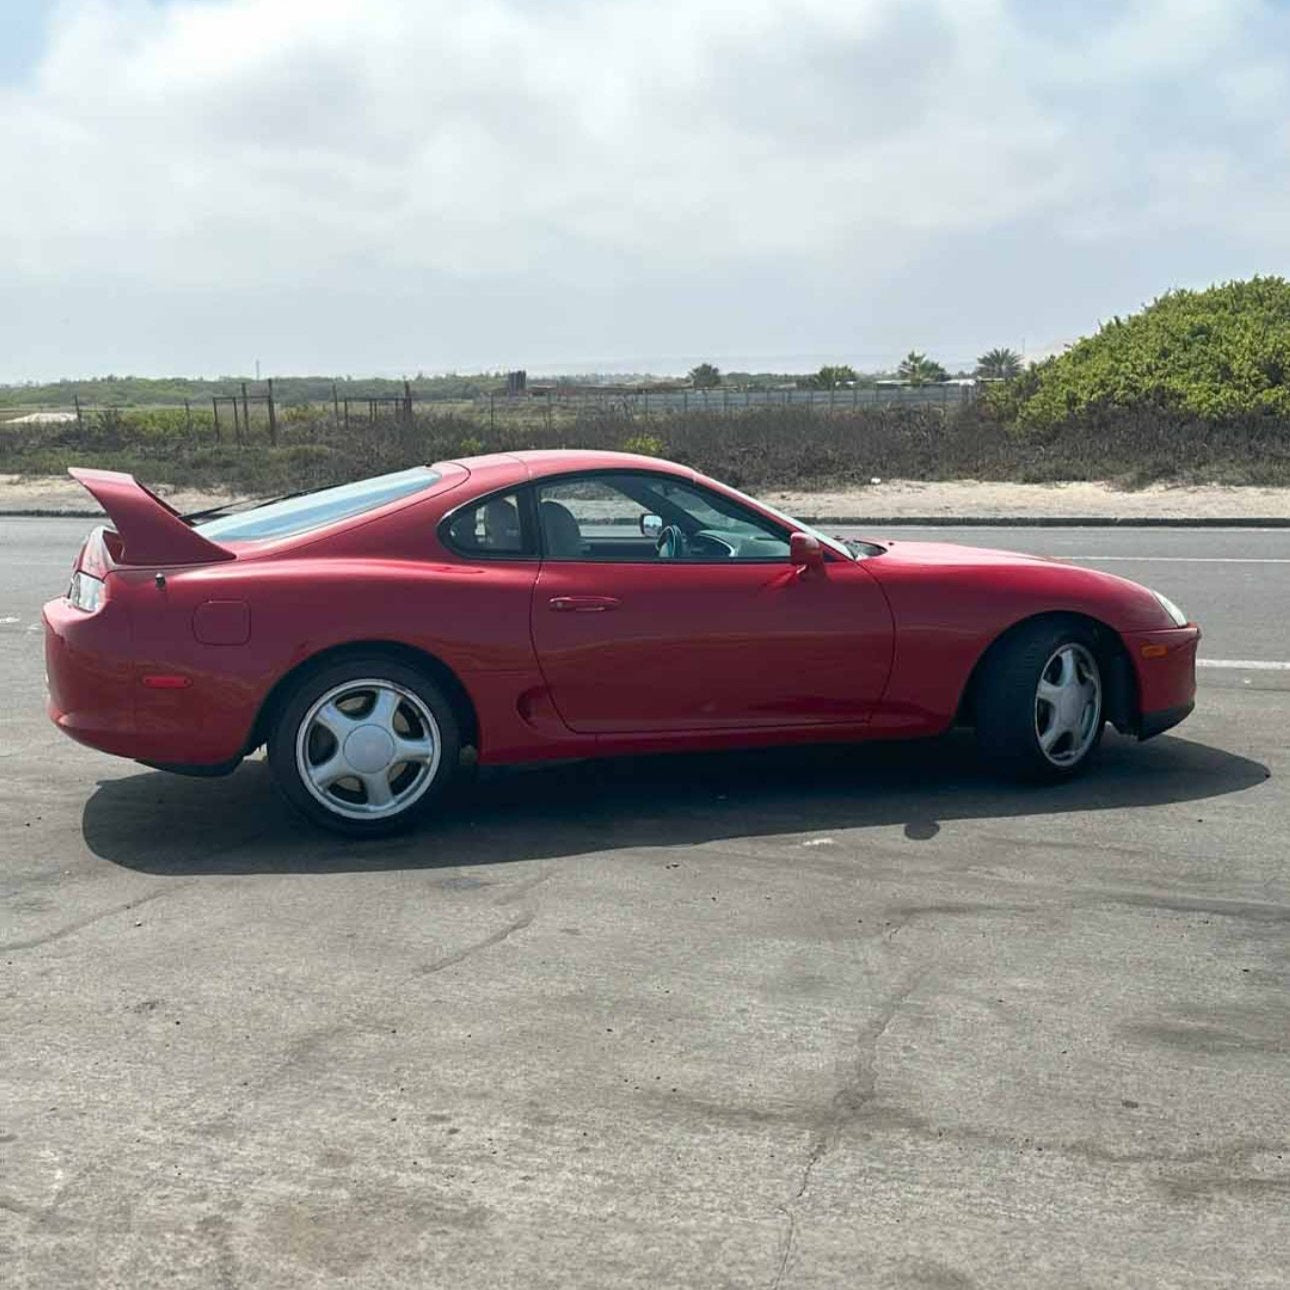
368 748
1068 704
362 745
1037 699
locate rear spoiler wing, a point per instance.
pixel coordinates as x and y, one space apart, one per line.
150 531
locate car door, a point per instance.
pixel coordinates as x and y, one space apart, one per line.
725 634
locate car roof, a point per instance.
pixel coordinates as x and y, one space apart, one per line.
537 463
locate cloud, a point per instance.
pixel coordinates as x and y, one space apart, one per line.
339 146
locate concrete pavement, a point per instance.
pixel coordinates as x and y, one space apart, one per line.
846 1017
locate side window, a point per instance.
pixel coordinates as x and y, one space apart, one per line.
492 528
592 518
716 523
637 518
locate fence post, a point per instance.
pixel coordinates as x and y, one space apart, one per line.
219 438
491 424
407 402
188 418
76 398
273 418
335 407
246 414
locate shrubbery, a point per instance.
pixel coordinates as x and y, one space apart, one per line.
1217 354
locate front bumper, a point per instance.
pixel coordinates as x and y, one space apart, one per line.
1151 724
1164 663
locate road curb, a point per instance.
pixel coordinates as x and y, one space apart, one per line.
909 521
1054 521
44 513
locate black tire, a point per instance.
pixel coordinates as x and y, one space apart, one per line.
417 697
1007 709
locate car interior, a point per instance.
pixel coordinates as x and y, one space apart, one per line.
624 517
634 517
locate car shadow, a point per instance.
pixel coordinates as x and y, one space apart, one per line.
163 824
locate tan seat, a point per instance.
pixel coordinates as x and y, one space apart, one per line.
561 536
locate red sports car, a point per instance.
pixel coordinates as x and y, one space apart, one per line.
571 604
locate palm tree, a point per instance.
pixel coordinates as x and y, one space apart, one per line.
918 369
999 364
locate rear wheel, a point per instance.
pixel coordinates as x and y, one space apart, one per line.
364 746
1039 701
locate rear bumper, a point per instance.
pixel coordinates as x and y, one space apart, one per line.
90 676
1164 663
97 695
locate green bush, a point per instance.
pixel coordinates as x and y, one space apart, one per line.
1216 354
647 445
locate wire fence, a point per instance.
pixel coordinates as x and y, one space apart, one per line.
233 415
644 401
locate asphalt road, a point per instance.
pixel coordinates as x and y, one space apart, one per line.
849 1017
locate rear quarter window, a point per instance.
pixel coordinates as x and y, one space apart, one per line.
295 515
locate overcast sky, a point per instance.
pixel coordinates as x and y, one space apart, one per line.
364 186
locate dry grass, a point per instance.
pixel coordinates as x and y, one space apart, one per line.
800 446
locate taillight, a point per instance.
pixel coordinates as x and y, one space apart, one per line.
86 592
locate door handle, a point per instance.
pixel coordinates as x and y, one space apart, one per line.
583 604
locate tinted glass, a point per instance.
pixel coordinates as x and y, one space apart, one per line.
490 528
297 514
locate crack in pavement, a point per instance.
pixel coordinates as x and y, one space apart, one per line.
68 928
494 938
856 1091
298 1051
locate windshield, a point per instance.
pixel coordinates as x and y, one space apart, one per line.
834 544
294 515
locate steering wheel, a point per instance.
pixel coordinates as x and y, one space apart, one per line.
671 543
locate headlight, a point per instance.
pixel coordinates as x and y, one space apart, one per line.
85 592
1179 618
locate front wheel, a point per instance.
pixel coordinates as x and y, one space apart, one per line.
1038 704
364 746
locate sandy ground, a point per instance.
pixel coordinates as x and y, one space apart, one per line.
41 419
58 493
891 499
900 498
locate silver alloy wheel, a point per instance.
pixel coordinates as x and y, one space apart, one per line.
368 748
1068 704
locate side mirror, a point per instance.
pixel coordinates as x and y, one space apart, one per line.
805 551
651 525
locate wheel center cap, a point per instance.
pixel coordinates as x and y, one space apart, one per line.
369 749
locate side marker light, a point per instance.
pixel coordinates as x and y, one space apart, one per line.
167 682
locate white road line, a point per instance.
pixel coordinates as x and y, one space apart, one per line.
1244 664
1178 559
